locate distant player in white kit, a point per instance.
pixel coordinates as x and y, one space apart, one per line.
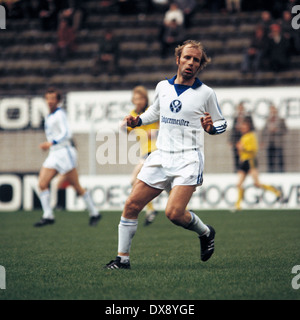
185 108
62 159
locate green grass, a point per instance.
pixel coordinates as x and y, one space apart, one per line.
255 253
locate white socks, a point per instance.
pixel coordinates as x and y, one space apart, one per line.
48 212
45 202
197 225
89 204
127 229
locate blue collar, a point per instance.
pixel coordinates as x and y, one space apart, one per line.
58 108
181 88
197 83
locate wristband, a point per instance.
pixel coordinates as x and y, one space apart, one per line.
139 123
213 130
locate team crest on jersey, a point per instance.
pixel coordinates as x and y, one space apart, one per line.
175 106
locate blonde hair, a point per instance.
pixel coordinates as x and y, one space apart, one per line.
194 44
141 90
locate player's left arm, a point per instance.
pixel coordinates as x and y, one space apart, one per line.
213 121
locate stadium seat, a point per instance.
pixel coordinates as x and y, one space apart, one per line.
26 50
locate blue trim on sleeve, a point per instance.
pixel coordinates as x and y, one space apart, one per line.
219 129
213 130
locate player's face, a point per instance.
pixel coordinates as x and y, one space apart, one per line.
139 101
52 102
245 127
189 62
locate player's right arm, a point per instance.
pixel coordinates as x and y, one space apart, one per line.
151 115
45 145
131 121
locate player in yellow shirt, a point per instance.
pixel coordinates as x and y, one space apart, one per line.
147 135
248 148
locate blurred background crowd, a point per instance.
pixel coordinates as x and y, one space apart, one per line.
83 40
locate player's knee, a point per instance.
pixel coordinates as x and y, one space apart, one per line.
132 207
43 185
174 215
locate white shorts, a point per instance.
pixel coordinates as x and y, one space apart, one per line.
164 170
62 160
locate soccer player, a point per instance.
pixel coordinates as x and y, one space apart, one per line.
186 108
147 135
62 159
248 147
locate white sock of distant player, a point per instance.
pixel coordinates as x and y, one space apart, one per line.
197 225
127 230
89 204
45 202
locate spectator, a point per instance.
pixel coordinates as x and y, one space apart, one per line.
107 59
174 13
48 14
65 40
235 133
273 139
233 6
278 49
188 8
172 36
253 57
289 33
171 33
13 9
286 26
266 21
73 11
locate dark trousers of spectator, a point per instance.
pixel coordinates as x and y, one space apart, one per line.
104 66
275 159
252 62
61 53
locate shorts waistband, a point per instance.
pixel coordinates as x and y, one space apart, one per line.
181 151
60 145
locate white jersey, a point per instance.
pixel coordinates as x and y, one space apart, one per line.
179 109
62 156
57 129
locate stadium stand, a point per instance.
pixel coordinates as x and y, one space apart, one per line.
26 66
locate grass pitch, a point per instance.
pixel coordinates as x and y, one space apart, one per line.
254 256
